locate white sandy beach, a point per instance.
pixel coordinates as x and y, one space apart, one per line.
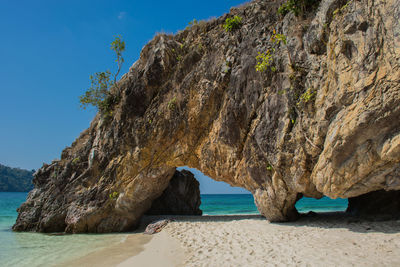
250 240
325 240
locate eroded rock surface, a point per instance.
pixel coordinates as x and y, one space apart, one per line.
181 197
156 227
195 99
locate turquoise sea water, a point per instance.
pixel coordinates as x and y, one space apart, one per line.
324 204
244 204
33 249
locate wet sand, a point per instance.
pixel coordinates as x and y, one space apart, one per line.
113 255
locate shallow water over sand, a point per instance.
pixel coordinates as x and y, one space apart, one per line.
34 249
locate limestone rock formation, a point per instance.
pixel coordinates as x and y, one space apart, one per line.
324 121
181 197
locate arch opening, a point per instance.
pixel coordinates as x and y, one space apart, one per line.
325 204
220 198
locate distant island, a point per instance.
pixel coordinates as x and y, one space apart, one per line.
15 179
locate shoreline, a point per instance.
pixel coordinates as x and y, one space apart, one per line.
133 244
162 250
333 239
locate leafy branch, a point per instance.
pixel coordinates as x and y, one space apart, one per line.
118 46
98 94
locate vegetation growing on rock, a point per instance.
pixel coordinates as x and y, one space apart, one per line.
236 125
99 94
297 7
172 103
307 96
232 23
265 60
114 195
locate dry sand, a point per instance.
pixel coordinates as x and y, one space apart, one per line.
323 240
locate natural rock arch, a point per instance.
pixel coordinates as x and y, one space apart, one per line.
195 99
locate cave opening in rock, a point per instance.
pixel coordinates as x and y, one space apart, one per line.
324 204
378 204
220 198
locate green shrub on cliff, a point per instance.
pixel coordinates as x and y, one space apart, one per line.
172 103
193 22
75 161
114 195
289 6
98 95
307 96
264 60
232 23
98 92
297 7
269 167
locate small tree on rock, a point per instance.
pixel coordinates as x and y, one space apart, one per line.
98 95
118 46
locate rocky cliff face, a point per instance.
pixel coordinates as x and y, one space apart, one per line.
325 122
181 197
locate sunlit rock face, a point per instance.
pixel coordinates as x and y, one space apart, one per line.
195 99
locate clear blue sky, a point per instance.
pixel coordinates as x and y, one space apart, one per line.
48 49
